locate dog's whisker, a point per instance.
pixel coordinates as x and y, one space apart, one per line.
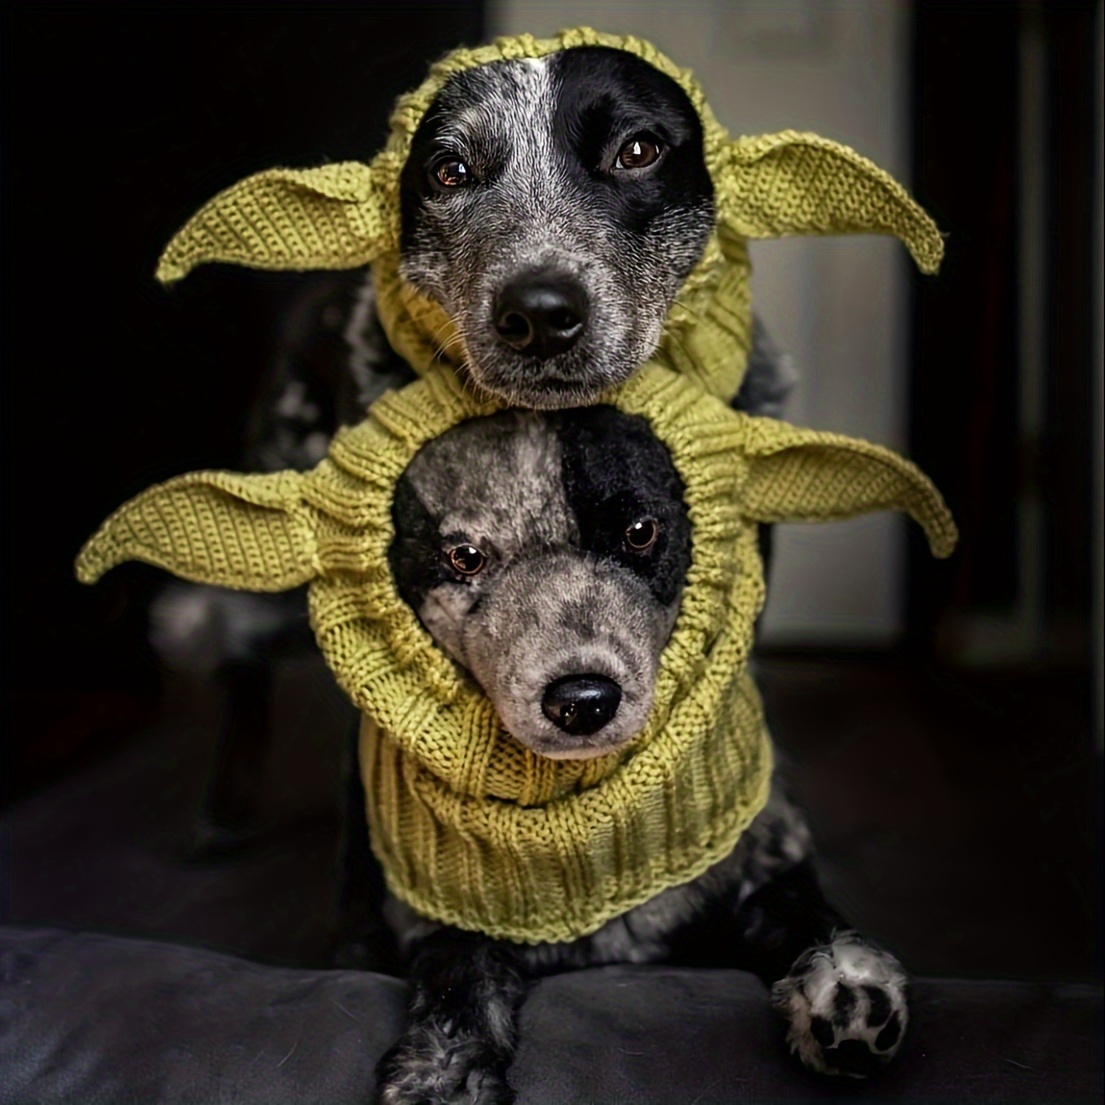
685 306
680 344
444 326
454 341
451 345
445 335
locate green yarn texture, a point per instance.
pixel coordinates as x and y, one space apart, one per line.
473 828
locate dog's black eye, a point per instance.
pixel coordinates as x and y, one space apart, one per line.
639 152
466 559
641 536
451 172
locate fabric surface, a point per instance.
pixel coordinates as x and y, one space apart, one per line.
472 828
102 1020
347 215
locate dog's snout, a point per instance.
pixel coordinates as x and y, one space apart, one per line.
541 313
581 704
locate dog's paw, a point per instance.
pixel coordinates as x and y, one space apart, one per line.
846 1003
432 1066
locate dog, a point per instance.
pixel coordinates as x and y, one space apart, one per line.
554 207
546 554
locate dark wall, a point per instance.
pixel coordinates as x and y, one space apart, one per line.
119 124
1002 418
987 181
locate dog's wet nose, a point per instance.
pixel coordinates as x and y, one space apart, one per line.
541 313
581 704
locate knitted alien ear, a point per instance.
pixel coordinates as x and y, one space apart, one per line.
250 532
808 476
332 217
777 185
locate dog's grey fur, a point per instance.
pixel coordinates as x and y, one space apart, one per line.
538 612
545 197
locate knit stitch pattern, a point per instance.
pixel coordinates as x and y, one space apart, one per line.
472 828
347 215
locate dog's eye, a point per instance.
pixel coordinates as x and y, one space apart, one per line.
467 560
639 152
452 173
642 535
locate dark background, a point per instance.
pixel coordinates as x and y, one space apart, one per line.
120 124
957 803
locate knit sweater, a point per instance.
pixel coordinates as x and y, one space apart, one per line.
346 215
472 828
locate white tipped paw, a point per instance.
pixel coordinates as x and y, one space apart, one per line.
846 1003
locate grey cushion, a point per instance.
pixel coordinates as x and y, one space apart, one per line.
101 1019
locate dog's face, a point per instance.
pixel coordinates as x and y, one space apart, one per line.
554 208
547 554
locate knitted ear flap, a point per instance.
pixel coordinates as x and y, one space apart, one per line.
249 532
333 217
788 183
807 476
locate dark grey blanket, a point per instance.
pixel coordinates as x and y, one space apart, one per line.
91 1019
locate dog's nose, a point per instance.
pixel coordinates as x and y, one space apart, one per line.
581 704
541 313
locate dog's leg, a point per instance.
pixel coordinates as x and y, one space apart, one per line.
460 1039
844 996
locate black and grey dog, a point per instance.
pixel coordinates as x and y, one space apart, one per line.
546 554
554 207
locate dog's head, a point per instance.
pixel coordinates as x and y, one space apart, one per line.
554 207
547 555
549 214
537 546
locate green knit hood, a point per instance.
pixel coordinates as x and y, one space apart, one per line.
346 215
472 828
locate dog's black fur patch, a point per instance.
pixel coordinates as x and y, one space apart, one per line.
604 92
615 471
415 554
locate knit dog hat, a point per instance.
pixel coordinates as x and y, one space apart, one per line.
471 827
346 215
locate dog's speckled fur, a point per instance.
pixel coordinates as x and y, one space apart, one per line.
540 140
534 491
